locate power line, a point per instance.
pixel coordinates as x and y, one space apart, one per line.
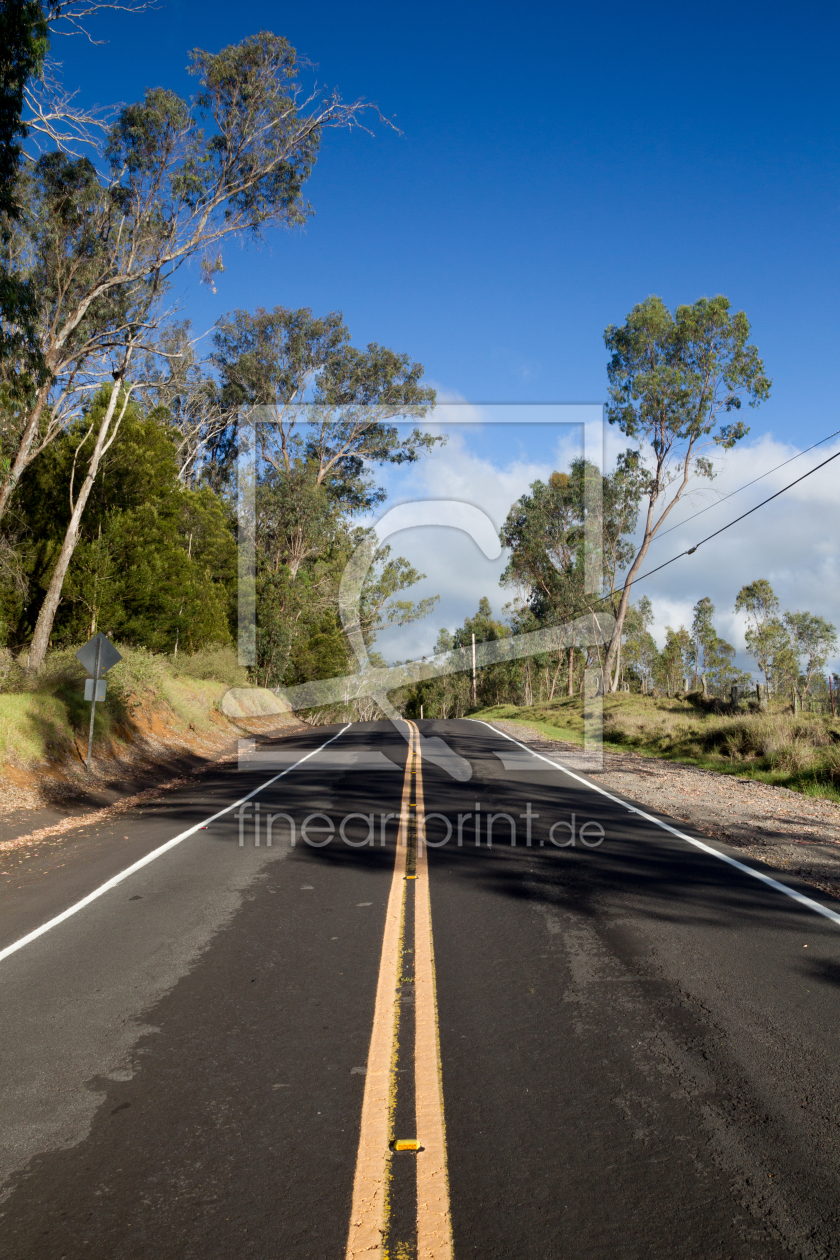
746 486
723 528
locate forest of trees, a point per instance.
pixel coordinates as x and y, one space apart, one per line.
795 647
119 443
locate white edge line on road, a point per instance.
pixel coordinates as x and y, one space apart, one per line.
156 853
698 844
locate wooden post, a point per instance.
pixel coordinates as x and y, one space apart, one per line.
831 694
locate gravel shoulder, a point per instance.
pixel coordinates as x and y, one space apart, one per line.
786 830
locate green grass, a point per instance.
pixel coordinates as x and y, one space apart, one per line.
45 718
801 753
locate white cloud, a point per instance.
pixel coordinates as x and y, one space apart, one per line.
794 541
457 570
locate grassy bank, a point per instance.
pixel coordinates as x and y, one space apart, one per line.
802 753
45 718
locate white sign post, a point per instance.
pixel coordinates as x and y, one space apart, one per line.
98 656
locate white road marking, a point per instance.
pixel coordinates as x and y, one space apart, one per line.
698 844
156 853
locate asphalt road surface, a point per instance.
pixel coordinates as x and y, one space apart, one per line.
358 1044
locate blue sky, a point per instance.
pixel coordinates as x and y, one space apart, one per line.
557 165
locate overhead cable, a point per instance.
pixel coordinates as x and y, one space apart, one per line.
746 485
691 550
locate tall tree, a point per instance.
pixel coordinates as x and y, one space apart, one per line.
322 402
182 177
24 39
320 413
672 662
814 641
672 379
544 532
758 600
639 650
703 637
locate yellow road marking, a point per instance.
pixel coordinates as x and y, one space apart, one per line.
434 1226
368 1215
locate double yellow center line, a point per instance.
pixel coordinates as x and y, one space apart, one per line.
369 1218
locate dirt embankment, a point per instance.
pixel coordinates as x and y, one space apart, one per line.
164 728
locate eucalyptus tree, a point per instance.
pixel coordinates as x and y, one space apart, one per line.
672 661
765 633
673 379
639 650
316 401
177 385
813 640
545 534
35 110
181 178
703 638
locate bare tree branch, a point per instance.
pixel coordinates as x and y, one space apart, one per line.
70 18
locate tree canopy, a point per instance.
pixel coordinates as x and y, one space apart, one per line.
674 380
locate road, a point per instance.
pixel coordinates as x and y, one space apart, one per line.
359 1044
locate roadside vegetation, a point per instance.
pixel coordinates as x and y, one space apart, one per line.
122 453
44 718
801 752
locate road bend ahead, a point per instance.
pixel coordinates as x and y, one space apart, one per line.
597 1041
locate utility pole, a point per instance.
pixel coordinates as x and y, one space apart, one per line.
475 702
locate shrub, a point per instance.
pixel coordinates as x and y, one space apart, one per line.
792 756
219 664
831 764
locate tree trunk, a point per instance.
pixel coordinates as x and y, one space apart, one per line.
46 617
616 680
571 684
554 679
23 458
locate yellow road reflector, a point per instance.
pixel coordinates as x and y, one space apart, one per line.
414 877
406 1144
